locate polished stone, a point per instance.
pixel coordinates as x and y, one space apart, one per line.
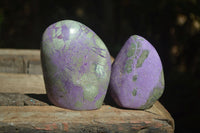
76 66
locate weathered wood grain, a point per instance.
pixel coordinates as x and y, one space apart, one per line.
20 61
23 52
21 83
105 119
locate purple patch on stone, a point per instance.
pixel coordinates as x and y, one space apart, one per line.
65 32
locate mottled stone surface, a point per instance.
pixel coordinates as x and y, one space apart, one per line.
137 79
76 66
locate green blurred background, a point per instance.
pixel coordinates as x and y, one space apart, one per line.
172 26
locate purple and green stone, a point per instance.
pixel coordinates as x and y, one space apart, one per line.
137 79
76 66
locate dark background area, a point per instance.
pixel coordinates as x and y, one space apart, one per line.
172 26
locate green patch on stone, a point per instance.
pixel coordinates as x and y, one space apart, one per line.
130 52
140 38
128 66
135 37
99 102
90 93
138 44
134 92
100 43
80 60
142 58
162 80
134 78
63 90
60 85
78 104
155 95
89 35
133 45
100 70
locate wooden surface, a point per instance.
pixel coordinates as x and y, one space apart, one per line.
20 61
24 106
22 83
105 119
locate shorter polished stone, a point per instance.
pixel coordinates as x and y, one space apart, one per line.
137 78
